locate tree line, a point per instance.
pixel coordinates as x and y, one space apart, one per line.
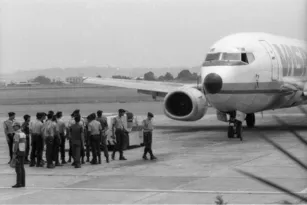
184 75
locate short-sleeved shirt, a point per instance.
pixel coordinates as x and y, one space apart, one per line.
103 121
8 126
61 125
25 127
147 125
20 140
50 128
94 127
72 121
36 127
118 123
76 131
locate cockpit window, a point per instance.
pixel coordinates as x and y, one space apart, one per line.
231 57
213 57
220 59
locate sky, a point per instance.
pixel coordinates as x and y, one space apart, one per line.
39 34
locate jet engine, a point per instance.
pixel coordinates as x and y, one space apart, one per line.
187 104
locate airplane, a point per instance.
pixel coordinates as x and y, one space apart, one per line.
243 73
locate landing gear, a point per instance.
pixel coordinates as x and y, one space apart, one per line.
235 127
250 120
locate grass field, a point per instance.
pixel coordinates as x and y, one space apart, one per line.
70 95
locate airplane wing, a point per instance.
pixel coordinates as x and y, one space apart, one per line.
142 86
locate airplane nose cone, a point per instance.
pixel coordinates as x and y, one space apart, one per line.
213 83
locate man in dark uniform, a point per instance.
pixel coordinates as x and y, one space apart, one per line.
87 138
118 129
19 150
9 133
50 133
147 133
36 130
56 142
104 124
25 128
76 133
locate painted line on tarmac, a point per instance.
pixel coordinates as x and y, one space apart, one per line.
153 190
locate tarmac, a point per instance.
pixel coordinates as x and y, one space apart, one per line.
196 163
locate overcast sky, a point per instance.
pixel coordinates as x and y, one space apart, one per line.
37 34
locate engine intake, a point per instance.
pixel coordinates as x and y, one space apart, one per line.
187 104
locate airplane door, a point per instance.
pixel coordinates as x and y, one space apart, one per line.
274 62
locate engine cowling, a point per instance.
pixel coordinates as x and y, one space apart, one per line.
187 104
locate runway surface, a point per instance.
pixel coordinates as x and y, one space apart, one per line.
196 162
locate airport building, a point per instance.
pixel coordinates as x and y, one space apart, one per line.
74 80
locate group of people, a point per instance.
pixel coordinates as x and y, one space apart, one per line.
50 131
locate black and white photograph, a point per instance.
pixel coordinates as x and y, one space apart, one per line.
153 102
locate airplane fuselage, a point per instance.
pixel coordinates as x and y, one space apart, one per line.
253 72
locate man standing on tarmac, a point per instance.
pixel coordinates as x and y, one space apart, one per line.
50 134
25 128
36 130
147 131
9 133
62 128
118 129
77 138
104 124
56 142
95 131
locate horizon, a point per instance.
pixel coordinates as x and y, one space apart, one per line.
127 34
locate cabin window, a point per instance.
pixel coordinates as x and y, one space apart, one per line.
244 58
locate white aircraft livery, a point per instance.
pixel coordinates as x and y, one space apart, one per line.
242 74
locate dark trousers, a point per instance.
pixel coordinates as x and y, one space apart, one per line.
120 139
27 147
95 142
20 170
10 144
148 143
104 145
49 149
63 140
56 149
37 148
76 151
87 146
70 149
82 150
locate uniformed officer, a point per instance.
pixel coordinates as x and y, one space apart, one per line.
50 132
87 138
147 133
56 142
95 131
25 128
9 133
77 138
118 129
104 124
36 130
19 150
62 130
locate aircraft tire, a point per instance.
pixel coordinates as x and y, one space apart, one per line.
250 120
230 132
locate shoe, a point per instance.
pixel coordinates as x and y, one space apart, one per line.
93 162
78 166
153 158
50 166
64 162
122 158
17 186
58 164
145 157
32 164
73 164
39 165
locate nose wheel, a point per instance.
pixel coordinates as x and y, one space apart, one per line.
235 129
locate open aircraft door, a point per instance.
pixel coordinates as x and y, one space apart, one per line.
274 62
